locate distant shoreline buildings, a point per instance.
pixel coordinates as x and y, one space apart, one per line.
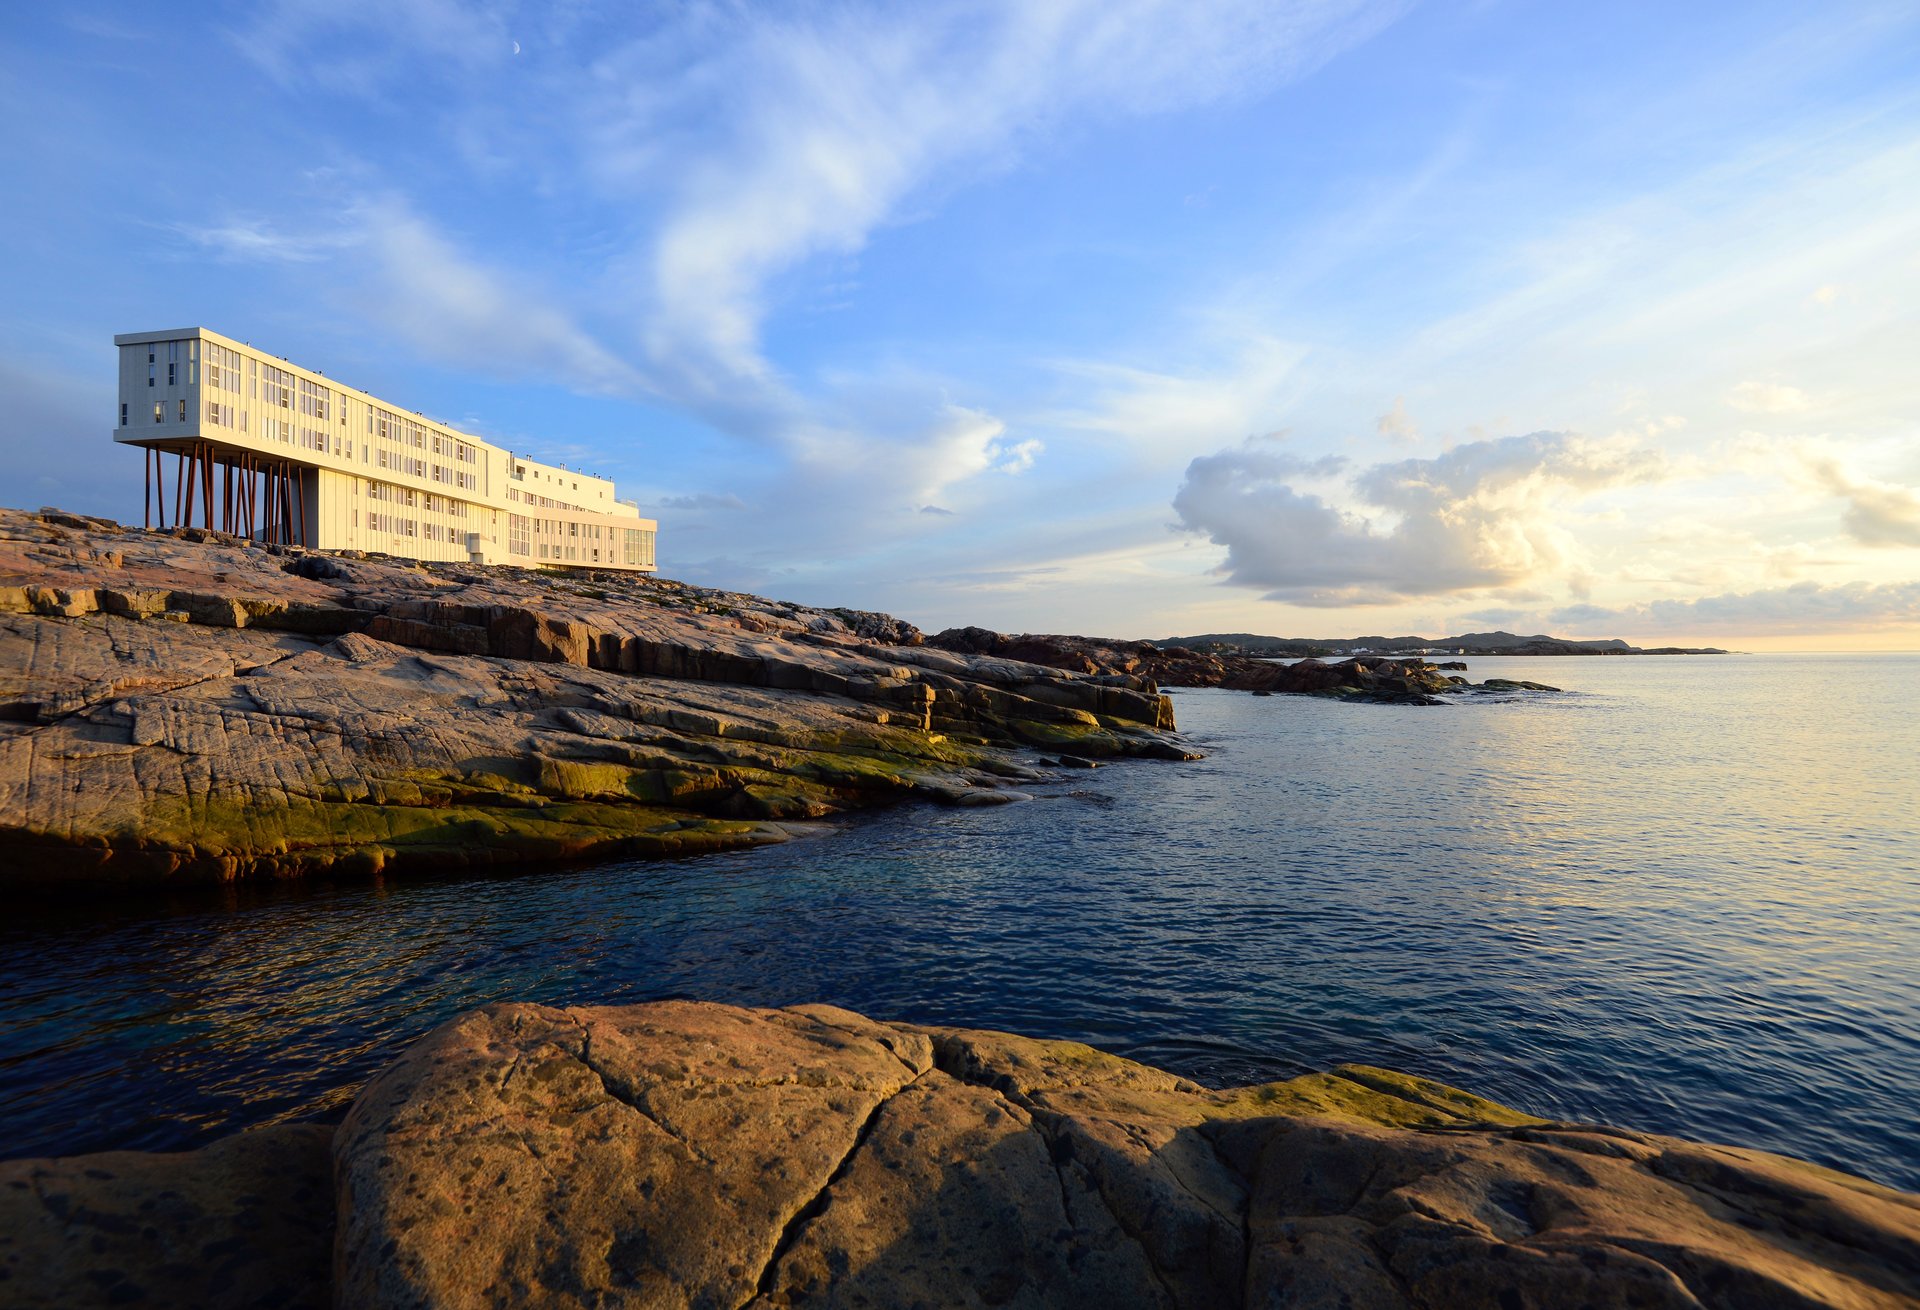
266 449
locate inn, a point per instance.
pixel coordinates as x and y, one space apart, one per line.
244 441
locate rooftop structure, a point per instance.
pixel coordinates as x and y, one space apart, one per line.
266 449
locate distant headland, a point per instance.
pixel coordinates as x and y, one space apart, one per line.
1467 643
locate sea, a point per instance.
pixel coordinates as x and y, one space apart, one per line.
1682 895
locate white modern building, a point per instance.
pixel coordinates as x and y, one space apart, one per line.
264 448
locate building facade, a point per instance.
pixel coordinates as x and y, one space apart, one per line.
247 442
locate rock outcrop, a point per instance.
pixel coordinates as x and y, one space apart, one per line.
1409 681
685 1154
187 705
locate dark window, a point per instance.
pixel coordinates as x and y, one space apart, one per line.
123 416
183 411
172 371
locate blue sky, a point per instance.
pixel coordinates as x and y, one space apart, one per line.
1128 318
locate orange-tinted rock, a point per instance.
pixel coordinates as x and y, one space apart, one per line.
686 1154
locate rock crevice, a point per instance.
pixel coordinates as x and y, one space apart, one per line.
691 1154
701 1155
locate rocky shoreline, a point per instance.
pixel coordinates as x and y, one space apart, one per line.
186 706
689 1154
1376 679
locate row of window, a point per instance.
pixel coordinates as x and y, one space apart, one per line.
223 368
172 351
393 525
635 545
159 412
542 502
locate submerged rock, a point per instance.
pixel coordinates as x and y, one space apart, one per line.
689 1154
188 706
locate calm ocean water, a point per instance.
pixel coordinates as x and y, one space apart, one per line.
1684 896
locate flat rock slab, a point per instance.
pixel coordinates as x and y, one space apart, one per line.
186 706
683 1154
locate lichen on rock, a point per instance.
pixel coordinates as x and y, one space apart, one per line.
185 705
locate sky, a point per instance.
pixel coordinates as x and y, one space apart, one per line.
1126 318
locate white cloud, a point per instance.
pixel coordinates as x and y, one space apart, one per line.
1175 410
1877 513
1768 398
410 278
365 46
1395 425
1481 515
831 124
257 241
455 309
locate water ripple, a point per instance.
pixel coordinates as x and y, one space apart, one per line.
1684 896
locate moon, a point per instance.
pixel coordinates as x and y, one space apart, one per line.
516 47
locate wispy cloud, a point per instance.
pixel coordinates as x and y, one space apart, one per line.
1800 609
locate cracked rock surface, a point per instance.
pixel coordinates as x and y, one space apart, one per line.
695 1155
184 705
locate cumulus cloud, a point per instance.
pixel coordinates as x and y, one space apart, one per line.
1480 515
1802 607
1768 398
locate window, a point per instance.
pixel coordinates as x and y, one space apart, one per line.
183 411
156 411
123 414
149 368
172 371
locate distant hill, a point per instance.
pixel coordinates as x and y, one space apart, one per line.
1467 643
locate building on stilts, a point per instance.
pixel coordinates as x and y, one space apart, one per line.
252 444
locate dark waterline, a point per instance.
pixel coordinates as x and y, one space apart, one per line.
1682 898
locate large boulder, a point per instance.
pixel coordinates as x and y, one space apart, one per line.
694 1155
